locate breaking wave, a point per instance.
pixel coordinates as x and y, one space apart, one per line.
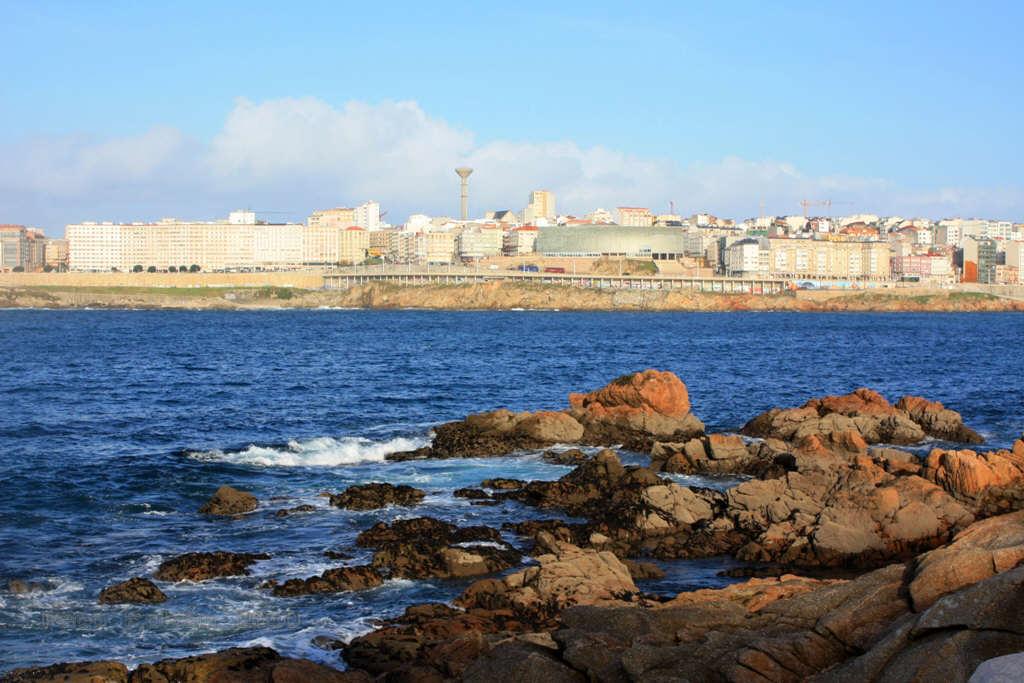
319 452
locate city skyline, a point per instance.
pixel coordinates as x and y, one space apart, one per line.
908 110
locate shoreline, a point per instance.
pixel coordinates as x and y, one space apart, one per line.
497 296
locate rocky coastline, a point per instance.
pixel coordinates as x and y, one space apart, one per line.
497 296
867 562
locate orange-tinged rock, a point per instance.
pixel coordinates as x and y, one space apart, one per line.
1018 448
969 473
754 595
862 401
650 391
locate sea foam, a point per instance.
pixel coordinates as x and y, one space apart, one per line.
323 451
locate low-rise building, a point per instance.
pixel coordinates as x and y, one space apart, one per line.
521 240
747 257
55 254
829 259
635 217
480 241
611 240
14 246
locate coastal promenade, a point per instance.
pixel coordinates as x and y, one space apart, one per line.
442 275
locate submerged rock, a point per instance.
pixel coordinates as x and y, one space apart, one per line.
297 510
203 566
377 495
229 501
136 590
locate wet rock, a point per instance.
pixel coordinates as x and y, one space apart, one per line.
136 590
71 672
500 432
573 457
331 581
23 587
500 484
337 555
377 495
229 501
428 548
298 509
203 566
471 494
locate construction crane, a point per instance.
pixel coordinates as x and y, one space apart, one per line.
827 203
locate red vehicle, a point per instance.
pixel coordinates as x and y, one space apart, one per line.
554 270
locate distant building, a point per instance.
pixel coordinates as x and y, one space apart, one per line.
340 217
14 247
55 254
367 216
747 257
503 216
600 217
435 247
521 240
635 217
541 205
612 240
829 259
480 241
979 260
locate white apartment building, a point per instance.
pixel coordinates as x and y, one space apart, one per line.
478 242
435 247
367 216
747 257
635 216
540 205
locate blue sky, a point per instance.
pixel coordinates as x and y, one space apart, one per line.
919 103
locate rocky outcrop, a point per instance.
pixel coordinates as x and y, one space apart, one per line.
137 590
377 495
204 566
425 548
229 501
968 474
866 412
937 420
635 410
237 665
572 456
336 580
565 575
718 454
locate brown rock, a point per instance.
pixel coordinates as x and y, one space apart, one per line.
203 566
643 570
297 510
937 420
377 495
572 456
240 665
72 672
230 501
332 581
982 550
968 474
136 590
650 391
550 427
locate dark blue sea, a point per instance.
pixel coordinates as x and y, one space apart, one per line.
115 426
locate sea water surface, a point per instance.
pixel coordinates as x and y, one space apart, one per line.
115 426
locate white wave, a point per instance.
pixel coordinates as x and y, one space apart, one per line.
319 452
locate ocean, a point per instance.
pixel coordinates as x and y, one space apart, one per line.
115 426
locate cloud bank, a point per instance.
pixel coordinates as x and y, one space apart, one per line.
295 155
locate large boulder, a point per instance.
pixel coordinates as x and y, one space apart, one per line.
70 672
376 495
229 501
137 590
637 410
550 427
203 566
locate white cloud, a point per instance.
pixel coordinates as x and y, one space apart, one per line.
299 154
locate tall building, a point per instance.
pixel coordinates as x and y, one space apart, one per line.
829 259
14 246
339 217
55 254
540 205
367 216
634 216
979 260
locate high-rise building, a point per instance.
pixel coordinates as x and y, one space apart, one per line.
367 216
541 204
979 260
14 246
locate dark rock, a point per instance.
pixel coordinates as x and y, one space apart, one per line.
643 570
203 566
337 555
299 509
71 672
471 493
331 581
522 662
136 590
500 484
573 457
230 501
377 495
